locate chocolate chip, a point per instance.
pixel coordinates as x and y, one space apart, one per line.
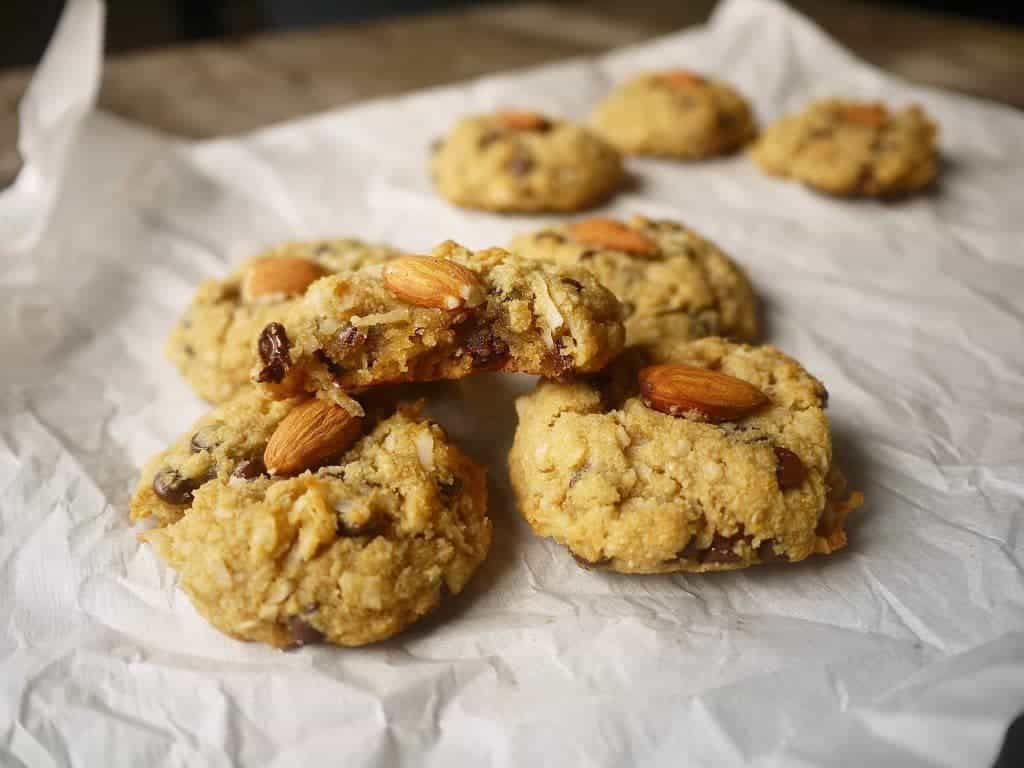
721 550
273 348
204 439
790 471
303 633
691 551
486 348
322 249
350 336
587 255
767 554
589 564
188 350
435 146
170 486
250 469
574 283
520 163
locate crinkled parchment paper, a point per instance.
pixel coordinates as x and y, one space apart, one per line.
906 649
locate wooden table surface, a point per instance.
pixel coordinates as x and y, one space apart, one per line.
225 87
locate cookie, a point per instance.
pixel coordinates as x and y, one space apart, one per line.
673 283
702 456
214 343
522 161
294 522
851 148
675 113
445 316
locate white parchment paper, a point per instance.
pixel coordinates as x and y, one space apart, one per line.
907 649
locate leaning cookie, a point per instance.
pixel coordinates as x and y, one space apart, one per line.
673 283
309 524
852 148
704 456
523 161
214 343
445 316
676 113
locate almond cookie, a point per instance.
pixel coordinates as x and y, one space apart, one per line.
296 522
214 343
523 161
852 148
702 456
676 113
444 316
673 284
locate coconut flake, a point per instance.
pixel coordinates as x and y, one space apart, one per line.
381 318
425 449
544 305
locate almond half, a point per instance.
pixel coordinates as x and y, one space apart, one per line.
426 281
312 433
681 78
872 115
612 234
680 389
279 277
522 120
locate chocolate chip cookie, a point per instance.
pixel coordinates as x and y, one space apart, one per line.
297 521
702 456
851 148
444 316
214 343
523 161
673 283
675 113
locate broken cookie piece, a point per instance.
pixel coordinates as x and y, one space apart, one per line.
214 343
444 316
700 456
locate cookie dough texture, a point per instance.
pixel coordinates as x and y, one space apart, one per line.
851 148
351 332
214 343
551 165
683 289
350 553
631 489
675 114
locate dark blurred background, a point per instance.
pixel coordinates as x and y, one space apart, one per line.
26 25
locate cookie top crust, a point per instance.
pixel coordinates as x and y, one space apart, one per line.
349 547
675 113
444 316
700 456
523 161
673 283
214 342
852 148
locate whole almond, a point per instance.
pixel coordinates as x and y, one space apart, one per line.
522 120
278 277
312 433
681 78
426 281
872 115
680 389
612 234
